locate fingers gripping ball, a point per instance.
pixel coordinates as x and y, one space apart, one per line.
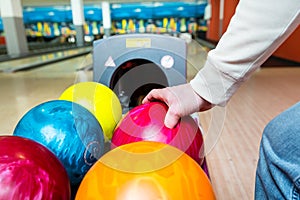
145 170
99 100
69 130
146 122
29 170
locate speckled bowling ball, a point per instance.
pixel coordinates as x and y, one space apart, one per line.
28 170
69 130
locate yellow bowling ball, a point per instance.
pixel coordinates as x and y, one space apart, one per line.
99 100
145 170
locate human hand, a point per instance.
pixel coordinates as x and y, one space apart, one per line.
182 101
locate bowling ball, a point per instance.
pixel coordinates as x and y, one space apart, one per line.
69 130
146 122
145 170
99 100
28 170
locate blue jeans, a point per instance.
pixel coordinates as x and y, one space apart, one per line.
278 169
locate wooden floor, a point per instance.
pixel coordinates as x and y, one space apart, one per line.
233 159
232 134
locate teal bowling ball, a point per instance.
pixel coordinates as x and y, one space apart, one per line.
69 130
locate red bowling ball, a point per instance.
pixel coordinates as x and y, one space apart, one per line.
30 171
146 123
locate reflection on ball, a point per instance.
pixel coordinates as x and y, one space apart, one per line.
69 130
146 122
99 100
29 170
145 170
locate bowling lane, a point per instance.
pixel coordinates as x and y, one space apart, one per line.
36 61
23 90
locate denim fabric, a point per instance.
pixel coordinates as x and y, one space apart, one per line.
278 169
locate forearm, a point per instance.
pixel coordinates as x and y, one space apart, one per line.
256 30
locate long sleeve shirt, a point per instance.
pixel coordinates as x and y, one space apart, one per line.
255 31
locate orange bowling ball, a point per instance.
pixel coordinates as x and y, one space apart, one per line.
145 170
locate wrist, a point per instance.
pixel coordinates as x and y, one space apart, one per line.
202 103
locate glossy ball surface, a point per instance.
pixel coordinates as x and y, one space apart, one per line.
69 130
99 100
146 122
28 170
145 170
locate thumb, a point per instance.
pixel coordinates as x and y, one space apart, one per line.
171 119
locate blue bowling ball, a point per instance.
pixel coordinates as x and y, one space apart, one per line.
69 130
